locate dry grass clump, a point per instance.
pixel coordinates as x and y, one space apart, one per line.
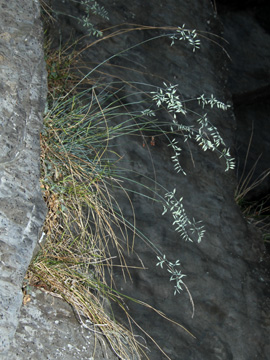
75 261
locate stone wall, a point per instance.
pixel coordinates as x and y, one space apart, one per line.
22 99
223 271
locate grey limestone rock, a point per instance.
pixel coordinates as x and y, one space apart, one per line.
49 330
22 99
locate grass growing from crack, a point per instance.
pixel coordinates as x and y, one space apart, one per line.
81 211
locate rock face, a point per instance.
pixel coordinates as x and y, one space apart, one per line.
22 98
223 277
48 329
249 83
228 287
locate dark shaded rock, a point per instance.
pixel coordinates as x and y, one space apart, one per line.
249 83
249 52
22 98
223 275
225 5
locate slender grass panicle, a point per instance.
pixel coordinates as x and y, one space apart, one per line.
190 36
183 224
203 131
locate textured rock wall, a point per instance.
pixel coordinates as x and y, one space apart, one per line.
230 321
49 329
249 82
22 98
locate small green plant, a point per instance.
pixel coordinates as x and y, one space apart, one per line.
91 7
207 137
190 36
184 225
205 133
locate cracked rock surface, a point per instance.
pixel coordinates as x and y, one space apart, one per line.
22 98
224 275
48 329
